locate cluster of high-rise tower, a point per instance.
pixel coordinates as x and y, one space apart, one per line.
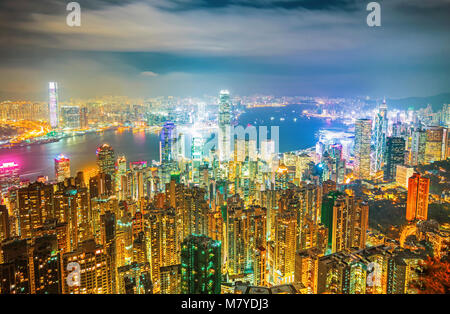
219 219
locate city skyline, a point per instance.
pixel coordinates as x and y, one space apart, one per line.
233 217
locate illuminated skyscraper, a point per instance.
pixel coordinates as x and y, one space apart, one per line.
445 115
359 224
434 144
224 125
418 143
346 219
121 177
170 279
62 168
285 247
200 265
338 166
363 131
140 250
418 192
5 230
237 235
106 160
53 104
354 271
46 271
35 206
9 176
16 272
163 242
100 186
192 210
94 275
341 224
327 212
138 169
381 124
71 205
395 155
306 268
167 142
134 279
108 235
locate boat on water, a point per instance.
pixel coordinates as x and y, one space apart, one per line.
25 144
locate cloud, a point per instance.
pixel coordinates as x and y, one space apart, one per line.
139 27
292 47
149 74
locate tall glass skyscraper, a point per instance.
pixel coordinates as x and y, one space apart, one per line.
106 160
363 131
418 143
167 141
381 125
62 168
224 125
395 155
53 104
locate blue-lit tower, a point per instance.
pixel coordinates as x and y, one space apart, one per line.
167 142
381 125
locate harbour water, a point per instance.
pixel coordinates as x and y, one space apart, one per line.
295 132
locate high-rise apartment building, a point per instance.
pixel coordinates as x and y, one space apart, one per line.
285 247
200 265
163 242
62 168
35 206
436 137
418 143
134 278
418 193
363 131
86 270
46 271
106 160
5 228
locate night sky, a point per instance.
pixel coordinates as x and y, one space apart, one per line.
190 48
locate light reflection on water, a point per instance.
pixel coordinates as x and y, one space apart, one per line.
37 160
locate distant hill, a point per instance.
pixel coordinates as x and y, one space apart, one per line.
420 102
